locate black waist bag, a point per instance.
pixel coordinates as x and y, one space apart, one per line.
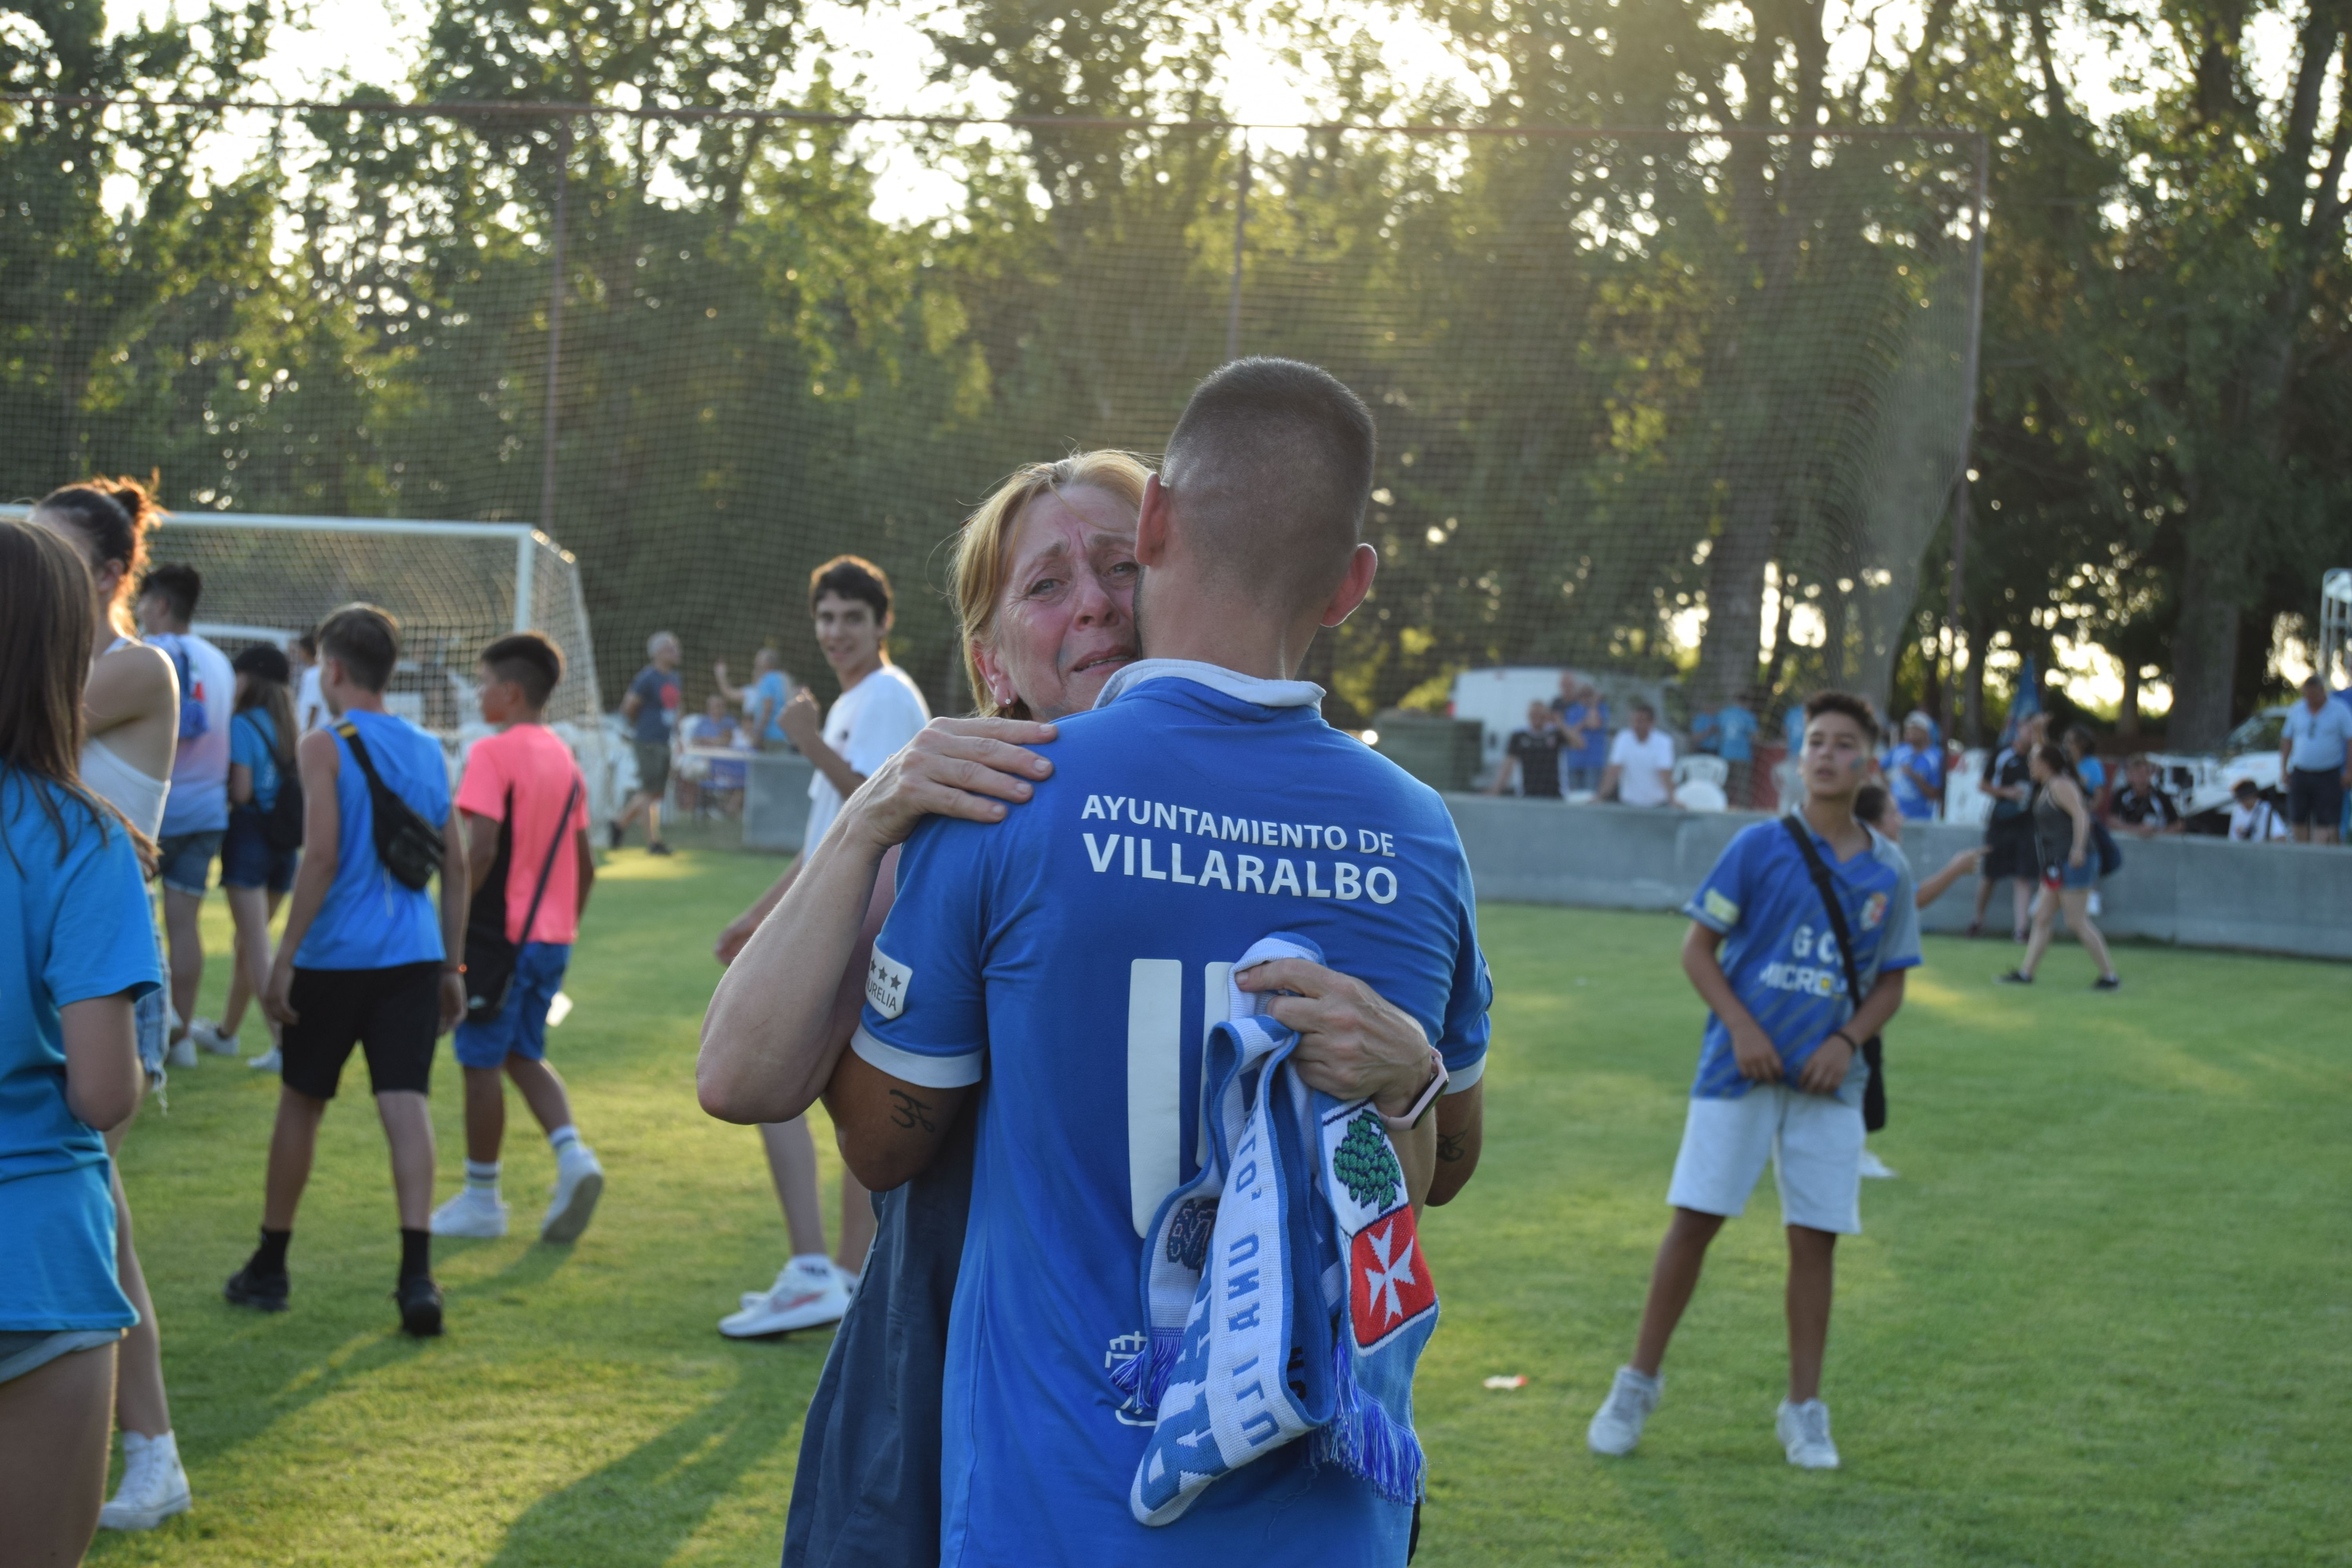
409 847
489 956
1873 1093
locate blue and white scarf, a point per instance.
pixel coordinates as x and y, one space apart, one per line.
1284 1285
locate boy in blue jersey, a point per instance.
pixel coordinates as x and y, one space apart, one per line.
1076 952
1780 1074
364 959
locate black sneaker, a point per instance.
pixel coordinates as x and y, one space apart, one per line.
420 1305
2108 983
262 1293
658 847
614 832
2014 977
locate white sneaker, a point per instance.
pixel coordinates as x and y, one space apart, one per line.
154 1489
267 1062
850 1282
1617 1424
801 1299
474 1214
579 1182
1804 1431
1875 1169
183 1053
208 1035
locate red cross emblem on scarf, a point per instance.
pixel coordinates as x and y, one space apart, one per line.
1389 1284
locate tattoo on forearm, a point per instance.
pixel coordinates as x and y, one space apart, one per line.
1452 1146
909 1113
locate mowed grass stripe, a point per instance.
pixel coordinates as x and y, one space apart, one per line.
2103 1316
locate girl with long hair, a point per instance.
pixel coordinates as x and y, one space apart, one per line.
255 874
70 883
131 711
2070 865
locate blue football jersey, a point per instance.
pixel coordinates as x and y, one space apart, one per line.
1780 954
1078 953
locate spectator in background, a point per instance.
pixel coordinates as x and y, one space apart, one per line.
256 876
310 703
2084 751
763 701
713 730
1735 728
2254 820
2316 764
1534 755
2069 861
1585 729
195 814
651 712
1915 771
1641 770
2141 808
2007 778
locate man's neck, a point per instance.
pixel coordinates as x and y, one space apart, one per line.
1832 817
361 702
856 674
1218 629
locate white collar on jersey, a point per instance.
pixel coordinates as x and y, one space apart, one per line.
1216 678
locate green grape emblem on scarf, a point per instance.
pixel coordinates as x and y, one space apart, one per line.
1367 1165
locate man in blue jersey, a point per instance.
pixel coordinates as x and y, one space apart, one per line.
1077 952
364 959
1780 1074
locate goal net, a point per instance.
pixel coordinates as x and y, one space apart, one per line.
1685 405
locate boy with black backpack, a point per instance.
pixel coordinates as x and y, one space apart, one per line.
1798 941
365 960
526 812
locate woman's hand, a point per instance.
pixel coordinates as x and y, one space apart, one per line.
2074 858
971 768
1353 1044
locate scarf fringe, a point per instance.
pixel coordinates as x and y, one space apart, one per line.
1364 1440
1144 1376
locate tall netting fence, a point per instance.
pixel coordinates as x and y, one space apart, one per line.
1685 404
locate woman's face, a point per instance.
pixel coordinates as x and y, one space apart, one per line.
1067 618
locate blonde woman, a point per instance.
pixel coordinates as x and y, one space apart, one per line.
1043 577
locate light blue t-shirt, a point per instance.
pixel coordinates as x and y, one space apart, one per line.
1780 953
770 688
70 929
2319 739
370 921
1737 726
1916 804
253 744
1075 949
2093 773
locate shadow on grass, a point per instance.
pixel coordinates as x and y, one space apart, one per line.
655 1496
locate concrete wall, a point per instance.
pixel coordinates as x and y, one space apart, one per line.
775 799
2196 892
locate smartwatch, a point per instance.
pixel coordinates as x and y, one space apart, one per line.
1420 1108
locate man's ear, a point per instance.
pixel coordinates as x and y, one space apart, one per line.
1361 567
1152 530
992 672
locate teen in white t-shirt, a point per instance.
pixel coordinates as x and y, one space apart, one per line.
865 728
1640 764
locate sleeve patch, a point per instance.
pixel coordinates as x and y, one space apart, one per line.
1721 908
887 980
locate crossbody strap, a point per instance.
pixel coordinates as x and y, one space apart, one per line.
547 867
376 787
1820 869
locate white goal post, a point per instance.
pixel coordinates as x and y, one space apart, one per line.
454 586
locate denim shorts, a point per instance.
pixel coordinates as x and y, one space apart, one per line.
184 861
521 1027
29 1350
248 861
2073 879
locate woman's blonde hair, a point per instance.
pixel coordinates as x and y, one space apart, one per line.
981 559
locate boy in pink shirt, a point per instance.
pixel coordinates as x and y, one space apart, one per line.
526 812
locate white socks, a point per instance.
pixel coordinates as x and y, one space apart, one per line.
482 1176
165 1447
564 1137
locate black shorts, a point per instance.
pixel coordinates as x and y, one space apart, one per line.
393 1014
2008 847
2315 797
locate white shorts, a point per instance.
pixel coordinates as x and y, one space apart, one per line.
1813 1140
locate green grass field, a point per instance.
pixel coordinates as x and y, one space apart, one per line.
2103 1317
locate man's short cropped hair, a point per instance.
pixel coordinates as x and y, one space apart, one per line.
2245 789
1844 702
180 585
531 660
653 643
852 577
1271 469
367 640
2312 682
1644 708
309 643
